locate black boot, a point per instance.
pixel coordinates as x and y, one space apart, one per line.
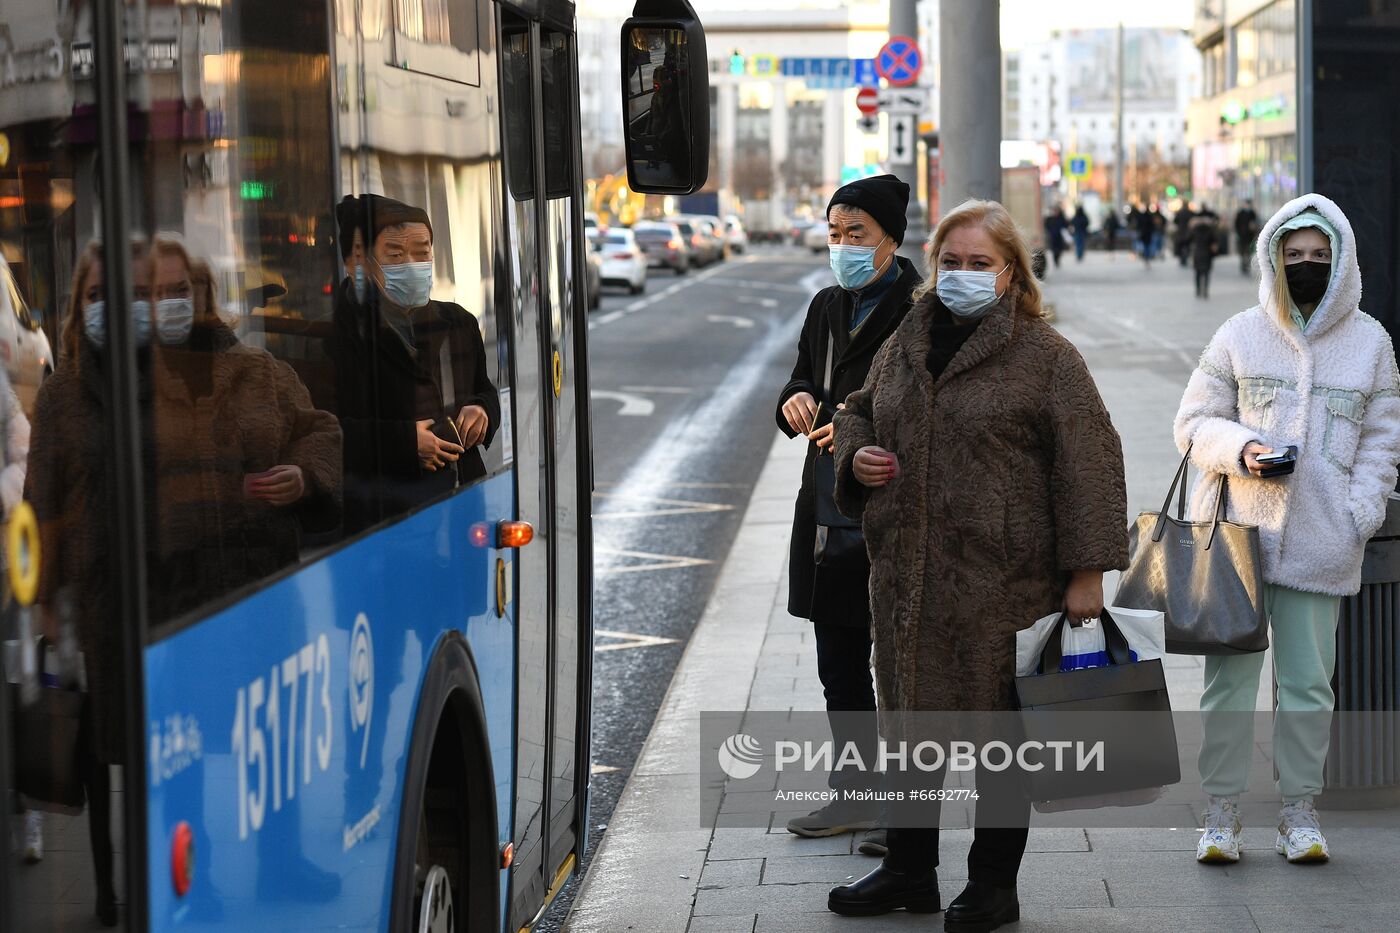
981 907
884 890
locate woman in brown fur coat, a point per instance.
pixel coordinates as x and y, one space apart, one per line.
990 482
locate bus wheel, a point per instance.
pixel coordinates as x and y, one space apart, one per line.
435 914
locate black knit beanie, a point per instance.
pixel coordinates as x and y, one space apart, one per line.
371 214
883 197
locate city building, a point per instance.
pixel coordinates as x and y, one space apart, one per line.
1062 91
1299 95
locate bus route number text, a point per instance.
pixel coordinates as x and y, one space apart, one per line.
293 701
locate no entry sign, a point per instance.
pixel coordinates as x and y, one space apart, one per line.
899 61
868 100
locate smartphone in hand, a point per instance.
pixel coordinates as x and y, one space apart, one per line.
1280 461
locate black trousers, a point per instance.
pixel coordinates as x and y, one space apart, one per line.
1202 281
843 664
997 844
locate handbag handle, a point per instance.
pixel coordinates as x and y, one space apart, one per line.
1115 642
830 353
1178 487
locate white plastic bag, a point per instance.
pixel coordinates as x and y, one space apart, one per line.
1083 646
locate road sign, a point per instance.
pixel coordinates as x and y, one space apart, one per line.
899 61
868 100
1079 165
902 100
869 124
902 139
865 75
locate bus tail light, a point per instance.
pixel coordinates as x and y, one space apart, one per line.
182 858
514 534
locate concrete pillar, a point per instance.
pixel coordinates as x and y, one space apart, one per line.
969 101
778 144
727 118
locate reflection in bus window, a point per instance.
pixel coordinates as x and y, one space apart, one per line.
415 431
241 460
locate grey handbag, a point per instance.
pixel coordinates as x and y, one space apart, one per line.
1207 577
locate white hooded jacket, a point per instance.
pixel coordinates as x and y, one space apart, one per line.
1333 391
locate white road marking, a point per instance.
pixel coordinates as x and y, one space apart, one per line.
602 769
608 318
630 640
653 561
661 390
761 302
668 506
736 320
632 404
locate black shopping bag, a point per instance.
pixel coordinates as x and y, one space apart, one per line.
1117 719
47 733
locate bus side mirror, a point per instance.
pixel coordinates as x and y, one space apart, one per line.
665 98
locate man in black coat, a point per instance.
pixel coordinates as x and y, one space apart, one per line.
1246 230
413 395
866 223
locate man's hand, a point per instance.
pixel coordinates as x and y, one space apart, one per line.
799 410
433 451
825 436
472 422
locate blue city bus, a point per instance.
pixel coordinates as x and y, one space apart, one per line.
297 593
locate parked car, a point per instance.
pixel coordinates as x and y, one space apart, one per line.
715 227
738 237
703 249
624 262
664 244
798 231
23 344
594 262
815 237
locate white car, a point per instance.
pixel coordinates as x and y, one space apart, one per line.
24 347
624 263
815 237
735 233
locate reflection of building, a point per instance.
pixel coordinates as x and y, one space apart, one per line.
600 111
1292 105
1063 90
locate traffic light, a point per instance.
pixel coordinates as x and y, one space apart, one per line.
1171 191
736 62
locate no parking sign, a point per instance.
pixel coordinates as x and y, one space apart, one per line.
899 61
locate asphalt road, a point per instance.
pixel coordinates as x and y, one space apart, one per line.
685 378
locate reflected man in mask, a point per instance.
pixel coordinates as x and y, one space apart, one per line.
413 394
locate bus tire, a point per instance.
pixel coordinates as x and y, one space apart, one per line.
446 862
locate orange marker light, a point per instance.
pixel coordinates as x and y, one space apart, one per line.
182 858
480 535
514 534
507 855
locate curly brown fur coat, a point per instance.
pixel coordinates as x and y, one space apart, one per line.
1011 476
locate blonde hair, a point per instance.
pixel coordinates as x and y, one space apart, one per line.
1280 297
994 218
201 276
91 257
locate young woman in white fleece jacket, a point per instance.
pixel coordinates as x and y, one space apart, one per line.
1304 367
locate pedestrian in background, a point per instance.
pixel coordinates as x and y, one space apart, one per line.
1182 243
1202 243
990 481
1246 229
1055 228
845 325
1306 368
1146 234
1159 229
1079 225
1111 226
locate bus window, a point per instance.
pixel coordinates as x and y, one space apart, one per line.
437 37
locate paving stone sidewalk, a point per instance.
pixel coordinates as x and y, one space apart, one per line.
658 870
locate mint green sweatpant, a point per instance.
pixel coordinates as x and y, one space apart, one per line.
1303 634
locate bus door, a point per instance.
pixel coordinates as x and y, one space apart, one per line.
538 102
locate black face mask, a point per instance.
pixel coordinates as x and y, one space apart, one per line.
1307 280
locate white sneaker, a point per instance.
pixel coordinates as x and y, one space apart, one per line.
1220 841
33 836
1299 836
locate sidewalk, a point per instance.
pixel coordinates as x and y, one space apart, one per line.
658 871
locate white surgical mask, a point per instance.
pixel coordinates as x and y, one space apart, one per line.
95 323
174 318
967 293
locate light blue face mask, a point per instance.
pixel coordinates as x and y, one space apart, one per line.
360 286
174 319
407 284
967 293
854 265
95 323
